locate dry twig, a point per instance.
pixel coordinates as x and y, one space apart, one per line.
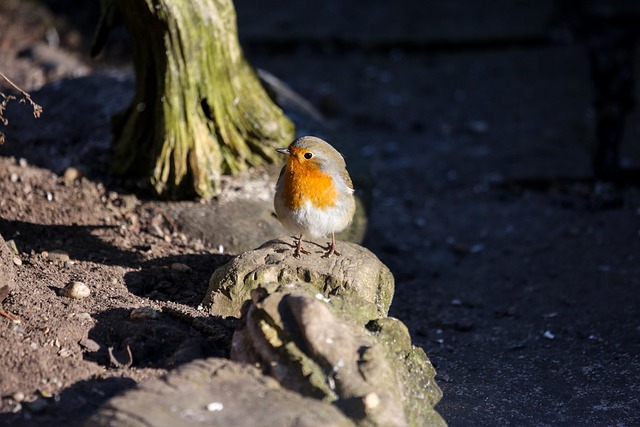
37 109
115 362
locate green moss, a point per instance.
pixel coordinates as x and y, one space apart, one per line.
413 370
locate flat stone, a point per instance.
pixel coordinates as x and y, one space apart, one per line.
58 255
216 393
89 344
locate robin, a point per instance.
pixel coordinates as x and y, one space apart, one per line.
314 193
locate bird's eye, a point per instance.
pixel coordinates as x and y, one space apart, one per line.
308 156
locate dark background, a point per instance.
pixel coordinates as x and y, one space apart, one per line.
476 125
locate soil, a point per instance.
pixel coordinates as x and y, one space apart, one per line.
515 271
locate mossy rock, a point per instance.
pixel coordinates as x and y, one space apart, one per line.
373 375
356 281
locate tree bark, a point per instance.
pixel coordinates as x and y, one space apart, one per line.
199 110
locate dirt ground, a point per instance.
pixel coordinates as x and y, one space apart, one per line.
515 271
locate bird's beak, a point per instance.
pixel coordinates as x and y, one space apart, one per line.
284 151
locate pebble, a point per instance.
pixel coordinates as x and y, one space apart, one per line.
83 316
75 290
89 344
71 174
12 245
17 261
58 255
18 396
64 352
372 401
144 313
215 406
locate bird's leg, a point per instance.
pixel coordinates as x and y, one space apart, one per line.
299 250
331 249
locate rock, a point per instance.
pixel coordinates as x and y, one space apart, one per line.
89 345
12 245
75 290
83 316
64 352
217 393
414 371
357 280
71 175
236 225
297 339
58 255
144 313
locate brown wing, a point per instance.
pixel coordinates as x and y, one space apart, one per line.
281 174
345 175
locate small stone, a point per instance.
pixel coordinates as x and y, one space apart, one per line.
549 335
12 245
215 406
58 255
371 401
75 290
89 345
144 313
17 261
18 396
84 316
71 174
180 267
64 352
46 393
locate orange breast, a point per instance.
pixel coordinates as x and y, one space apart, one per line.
306 182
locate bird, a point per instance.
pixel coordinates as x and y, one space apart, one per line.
314 192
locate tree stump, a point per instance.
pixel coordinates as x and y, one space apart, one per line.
199 110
